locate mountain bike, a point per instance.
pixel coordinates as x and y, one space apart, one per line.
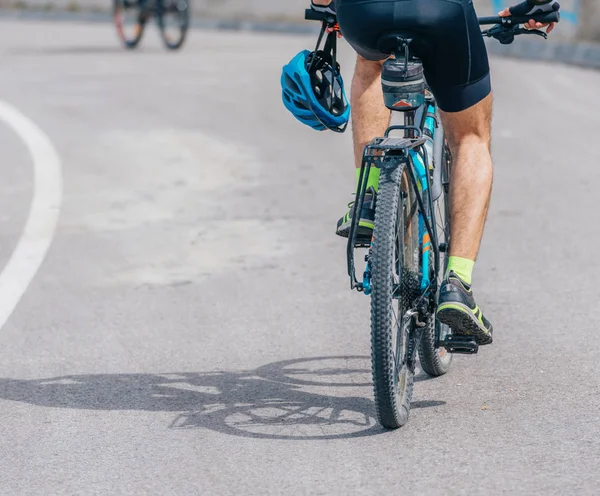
407 255
172 16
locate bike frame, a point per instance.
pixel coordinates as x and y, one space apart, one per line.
408 151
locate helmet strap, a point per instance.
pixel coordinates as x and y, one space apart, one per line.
330 46
319 40
330 50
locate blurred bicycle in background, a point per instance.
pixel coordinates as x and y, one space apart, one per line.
172 16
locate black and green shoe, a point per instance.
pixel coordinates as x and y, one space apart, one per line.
366 221
458 310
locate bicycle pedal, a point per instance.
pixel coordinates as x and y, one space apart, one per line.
362 242
464 345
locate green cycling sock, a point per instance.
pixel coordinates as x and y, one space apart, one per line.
462 267
372 180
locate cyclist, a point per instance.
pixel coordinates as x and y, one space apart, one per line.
451 47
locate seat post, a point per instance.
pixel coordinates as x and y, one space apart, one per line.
409 120
403 51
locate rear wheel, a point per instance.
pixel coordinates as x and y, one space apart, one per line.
129 20
437 361
393 259
174 22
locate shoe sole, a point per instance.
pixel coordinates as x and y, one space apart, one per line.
364 231
461 320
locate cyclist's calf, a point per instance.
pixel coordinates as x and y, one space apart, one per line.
469 137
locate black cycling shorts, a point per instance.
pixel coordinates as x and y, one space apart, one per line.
448 41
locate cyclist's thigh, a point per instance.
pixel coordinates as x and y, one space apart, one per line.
454 55
362 22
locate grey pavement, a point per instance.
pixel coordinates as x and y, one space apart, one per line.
191 330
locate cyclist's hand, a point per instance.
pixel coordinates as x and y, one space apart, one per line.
328 7
325 6
532 7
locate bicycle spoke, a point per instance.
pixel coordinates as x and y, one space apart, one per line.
397 260
397 358
396 331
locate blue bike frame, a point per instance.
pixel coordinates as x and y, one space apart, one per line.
422 163
423 155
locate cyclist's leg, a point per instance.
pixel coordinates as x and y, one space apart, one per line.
469 137
370 117
468 134
458 73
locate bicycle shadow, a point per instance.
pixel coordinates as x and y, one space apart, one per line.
297 399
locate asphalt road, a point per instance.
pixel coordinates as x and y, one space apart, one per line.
191 330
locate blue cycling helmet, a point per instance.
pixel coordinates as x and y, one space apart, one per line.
313 91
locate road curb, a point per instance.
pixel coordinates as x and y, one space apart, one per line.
572 53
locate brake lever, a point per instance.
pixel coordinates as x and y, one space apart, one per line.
520 30
506 35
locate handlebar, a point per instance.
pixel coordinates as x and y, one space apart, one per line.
313 15
510 21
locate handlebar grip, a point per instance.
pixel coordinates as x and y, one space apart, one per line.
547 17
313 15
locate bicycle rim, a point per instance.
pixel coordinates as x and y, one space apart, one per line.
392 261
436 361
129 22
174 21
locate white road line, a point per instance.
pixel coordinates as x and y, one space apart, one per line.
38 232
